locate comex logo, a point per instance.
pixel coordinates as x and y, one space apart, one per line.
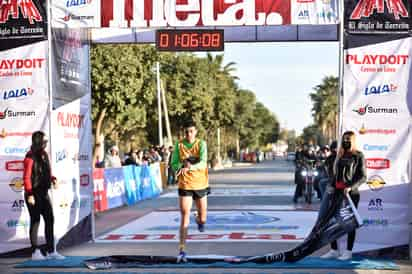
375 183
381 89
368 147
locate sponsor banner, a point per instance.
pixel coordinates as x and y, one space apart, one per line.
71 163
377 16
22 22
99 193
376 81
384 210
239 226
17 122
375 106
70 65
76 13
24 67
14 225
314 12
115 187
132 192
146 14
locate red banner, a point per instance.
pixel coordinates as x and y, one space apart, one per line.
99 193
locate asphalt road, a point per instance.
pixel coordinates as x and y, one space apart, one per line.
266 186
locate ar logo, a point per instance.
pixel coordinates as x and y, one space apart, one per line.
365 8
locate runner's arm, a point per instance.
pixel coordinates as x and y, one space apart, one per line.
202 157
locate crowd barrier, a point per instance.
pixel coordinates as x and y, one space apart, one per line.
115 187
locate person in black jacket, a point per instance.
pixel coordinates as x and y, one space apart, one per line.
37 178
349 173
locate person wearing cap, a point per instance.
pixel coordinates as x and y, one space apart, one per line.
38 179
113 159
189 161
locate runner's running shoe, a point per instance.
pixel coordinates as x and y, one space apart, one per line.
181 258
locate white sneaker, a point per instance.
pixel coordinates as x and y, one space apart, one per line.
331 254
55 256
37 255
346 255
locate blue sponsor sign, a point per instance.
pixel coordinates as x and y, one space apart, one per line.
129 182
115 187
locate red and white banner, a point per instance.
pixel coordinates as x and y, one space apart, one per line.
24 108
375 106
71 162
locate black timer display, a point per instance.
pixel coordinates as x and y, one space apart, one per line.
189 40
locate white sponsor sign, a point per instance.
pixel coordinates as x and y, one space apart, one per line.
243 226
76 13
71 161
314 12
375 106
24 67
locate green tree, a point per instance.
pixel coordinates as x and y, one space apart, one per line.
325 106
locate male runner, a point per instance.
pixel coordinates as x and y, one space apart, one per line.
189 161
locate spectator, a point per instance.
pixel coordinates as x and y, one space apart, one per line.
112 159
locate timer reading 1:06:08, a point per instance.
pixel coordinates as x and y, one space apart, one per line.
189 40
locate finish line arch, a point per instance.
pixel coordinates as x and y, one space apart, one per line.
27 46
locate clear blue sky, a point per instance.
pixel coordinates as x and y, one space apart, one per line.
283 74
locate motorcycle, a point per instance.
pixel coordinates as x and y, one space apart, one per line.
309 173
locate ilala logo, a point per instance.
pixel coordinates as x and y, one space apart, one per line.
380 89
17 93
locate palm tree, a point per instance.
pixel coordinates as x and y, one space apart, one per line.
325 106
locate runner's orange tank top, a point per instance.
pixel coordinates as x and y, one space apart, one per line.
193 179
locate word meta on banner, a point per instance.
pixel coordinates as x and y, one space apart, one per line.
190 40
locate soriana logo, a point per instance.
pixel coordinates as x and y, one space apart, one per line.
190 13
378 163
28 10
16 166
366 8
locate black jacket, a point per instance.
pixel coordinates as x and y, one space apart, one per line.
351 171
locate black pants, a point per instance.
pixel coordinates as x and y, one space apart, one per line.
42 207
351 236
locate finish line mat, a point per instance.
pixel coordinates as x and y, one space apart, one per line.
207 261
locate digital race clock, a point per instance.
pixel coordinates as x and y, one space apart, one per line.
189 40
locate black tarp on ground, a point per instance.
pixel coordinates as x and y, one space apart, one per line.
337 216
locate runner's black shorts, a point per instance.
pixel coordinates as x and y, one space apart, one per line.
195 194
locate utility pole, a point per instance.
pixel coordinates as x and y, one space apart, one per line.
169 133
159 105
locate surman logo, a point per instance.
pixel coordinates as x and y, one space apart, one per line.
365 8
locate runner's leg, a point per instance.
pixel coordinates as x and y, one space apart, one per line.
201 205
185 204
